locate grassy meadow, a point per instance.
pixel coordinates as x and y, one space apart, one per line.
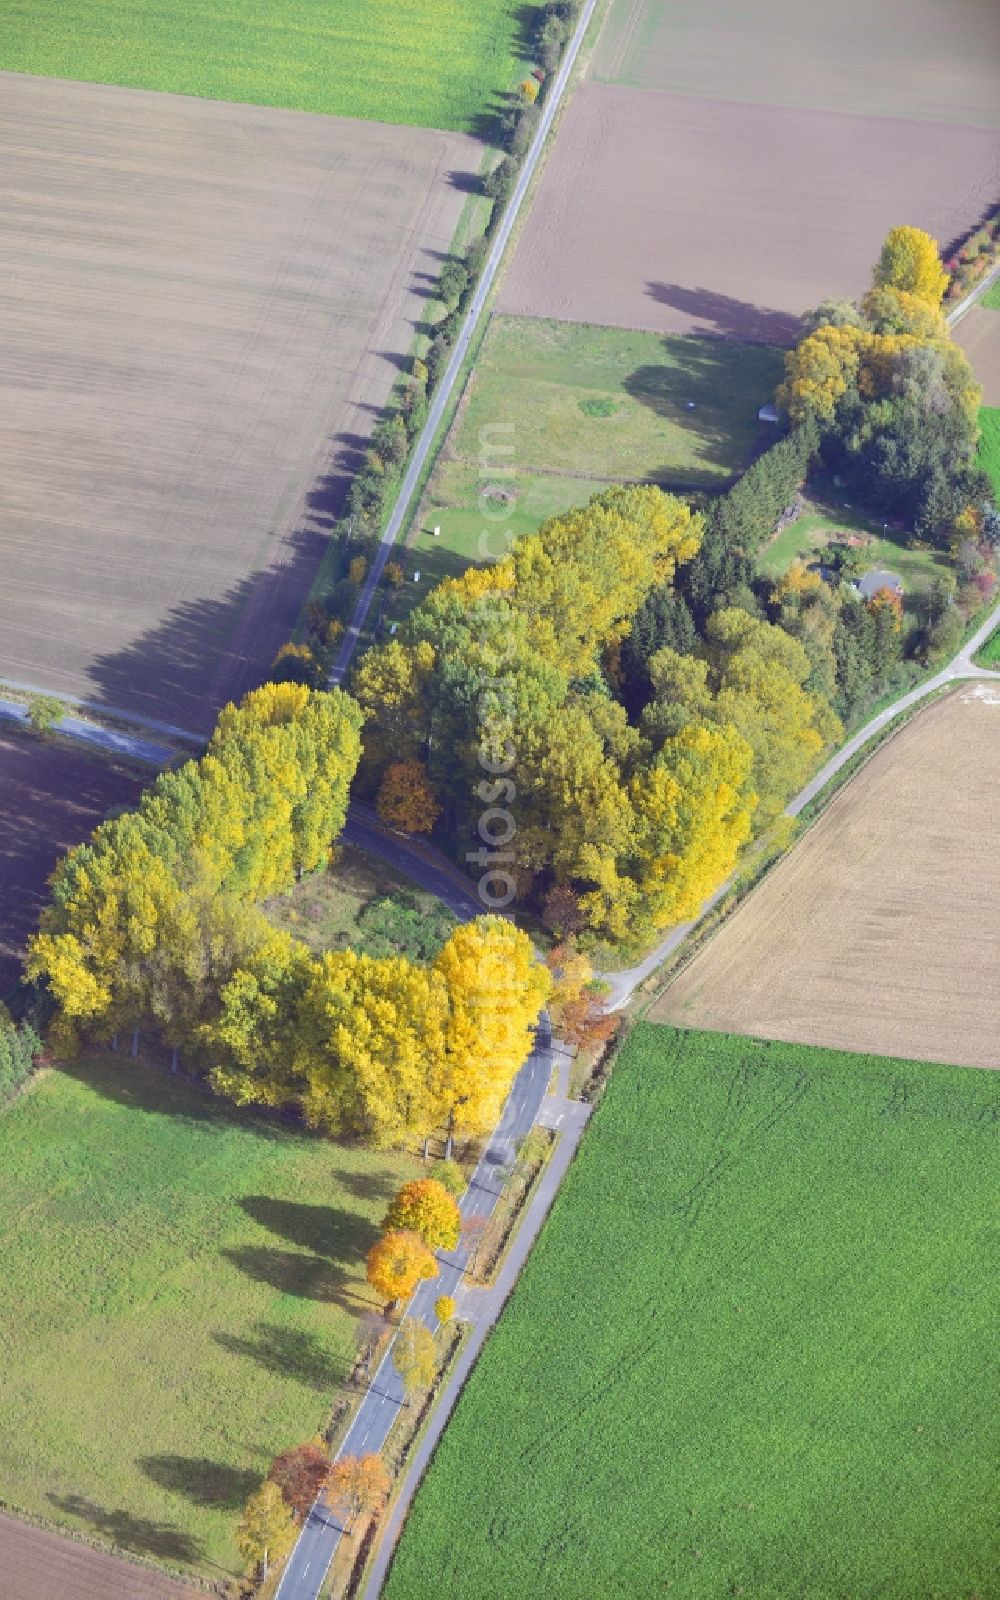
181 1285
433 63
750 1352
604 403
989 444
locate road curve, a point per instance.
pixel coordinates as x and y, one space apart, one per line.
443 392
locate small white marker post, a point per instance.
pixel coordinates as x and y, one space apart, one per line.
437 532
416 576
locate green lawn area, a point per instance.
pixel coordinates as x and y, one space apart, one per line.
434 63
360 901
606 404
181 1283
475 530
989 444
810 533
991 299
989 655
751 1351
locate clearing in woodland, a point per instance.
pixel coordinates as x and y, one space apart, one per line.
205 305
182 1284
880 930
748 1354
427 62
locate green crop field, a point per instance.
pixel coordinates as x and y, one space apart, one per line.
989 444
751 1352
435 63
572 399
181 1284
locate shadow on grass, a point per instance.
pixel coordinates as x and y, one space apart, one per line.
140 1534
291 1272
203 1482
326 1230
696 393
289 1353
725 315
138 1087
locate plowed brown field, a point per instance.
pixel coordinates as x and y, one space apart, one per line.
683 215
202 306
38 1565
880 931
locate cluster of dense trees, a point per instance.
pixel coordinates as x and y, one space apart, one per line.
503 696
352 1486
893 398
155 920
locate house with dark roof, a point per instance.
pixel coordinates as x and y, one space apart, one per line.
874 582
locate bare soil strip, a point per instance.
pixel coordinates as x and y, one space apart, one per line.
204 305
880 931
51 797
38 1565
979 335
707 216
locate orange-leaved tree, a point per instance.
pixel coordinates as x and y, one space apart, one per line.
426 1207
358 1485
398 1262
405 798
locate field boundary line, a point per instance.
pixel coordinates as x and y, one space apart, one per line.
442 395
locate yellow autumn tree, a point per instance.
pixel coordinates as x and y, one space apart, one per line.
405 798
495 988
426 1207
910 260
693 810
820 370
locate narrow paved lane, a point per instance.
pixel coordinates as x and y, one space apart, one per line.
321 1532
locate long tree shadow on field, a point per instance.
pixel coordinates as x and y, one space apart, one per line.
701 380
141 1088
724 315
203 1482
288 1352
293 1272
205 652
140 1534
326 1230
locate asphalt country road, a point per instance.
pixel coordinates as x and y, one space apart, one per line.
321 1532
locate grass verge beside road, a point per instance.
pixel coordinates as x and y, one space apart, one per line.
774 1205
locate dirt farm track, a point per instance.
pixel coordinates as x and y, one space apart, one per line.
38 1565
202 306
880 931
